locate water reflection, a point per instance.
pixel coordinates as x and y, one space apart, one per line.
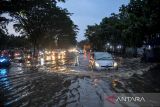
3 77
14 86
59 61
3 72
42 61
4 83
96 82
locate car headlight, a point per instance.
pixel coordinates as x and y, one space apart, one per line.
115 64
96 64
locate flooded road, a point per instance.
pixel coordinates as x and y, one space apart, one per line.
68 83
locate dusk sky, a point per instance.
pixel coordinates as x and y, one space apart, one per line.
86 12
89 12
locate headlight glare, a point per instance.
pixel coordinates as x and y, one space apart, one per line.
96 64
115 64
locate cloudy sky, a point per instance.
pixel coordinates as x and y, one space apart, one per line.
89 12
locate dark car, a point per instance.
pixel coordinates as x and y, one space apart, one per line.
4 61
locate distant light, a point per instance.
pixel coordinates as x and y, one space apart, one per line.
149 47
73 50
108 44
111 47
119 46
41 53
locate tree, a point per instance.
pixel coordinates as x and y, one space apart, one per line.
109 30
141 20
40 20
3 36
136 22
93 34
82 43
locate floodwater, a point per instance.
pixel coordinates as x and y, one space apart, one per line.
69 83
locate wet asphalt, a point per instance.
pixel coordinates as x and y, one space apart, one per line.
70 83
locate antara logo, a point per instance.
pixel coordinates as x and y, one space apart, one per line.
113 99
130 99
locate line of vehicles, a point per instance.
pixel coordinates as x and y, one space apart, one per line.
20 56
26 56
97 60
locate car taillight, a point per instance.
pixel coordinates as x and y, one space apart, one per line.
16 54
28 56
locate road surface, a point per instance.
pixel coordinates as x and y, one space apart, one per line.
69 83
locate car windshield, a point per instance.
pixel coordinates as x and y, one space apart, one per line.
103 56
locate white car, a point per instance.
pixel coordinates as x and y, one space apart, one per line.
102 60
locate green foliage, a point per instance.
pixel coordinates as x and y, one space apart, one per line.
135 23
82 43
40 21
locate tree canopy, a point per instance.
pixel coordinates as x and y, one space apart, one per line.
40 21
135 23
